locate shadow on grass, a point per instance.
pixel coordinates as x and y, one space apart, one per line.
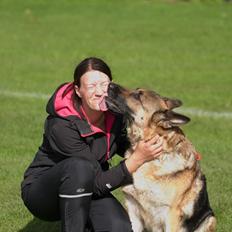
37 225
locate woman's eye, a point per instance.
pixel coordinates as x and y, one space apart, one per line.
90 86
104 84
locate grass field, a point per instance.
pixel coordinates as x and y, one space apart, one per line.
181 50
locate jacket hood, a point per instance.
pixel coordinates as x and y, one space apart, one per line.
60 104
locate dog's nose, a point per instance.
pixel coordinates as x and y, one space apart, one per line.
116 87
110 88
114 90
111 85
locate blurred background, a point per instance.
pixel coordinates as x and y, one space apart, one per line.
181 49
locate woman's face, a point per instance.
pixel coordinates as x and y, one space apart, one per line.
93 87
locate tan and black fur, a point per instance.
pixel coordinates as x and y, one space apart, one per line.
169 193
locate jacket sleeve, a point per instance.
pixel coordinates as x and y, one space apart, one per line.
111 179
66 141
122 141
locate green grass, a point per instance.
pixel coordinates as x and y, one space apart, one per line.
180 49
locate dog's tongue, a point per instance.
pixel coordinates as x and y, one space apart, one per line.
102 104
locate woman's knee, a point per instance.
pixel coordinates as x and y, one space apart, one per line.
78 167
77 176
121 224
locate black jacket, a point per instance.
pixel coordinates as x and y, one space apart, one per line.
67 133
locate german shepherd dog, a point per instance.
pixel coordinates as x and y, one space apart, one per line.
169 193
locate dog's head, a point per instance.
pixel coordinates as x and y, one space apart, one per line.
145 108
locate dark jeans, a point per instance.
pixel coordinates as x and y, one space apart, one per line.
64 193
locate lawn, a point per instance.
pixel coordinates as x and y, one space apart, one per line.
179 49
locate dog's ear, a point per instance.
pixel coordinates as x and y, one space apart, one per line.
168 119
176 119
172 103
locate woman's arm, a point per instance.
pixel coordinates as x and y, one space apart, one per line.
145 151
66 141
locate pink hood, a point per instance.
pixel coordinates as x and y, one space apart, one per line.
63 104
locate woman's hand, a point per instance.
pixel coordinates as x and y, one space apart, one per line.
144 151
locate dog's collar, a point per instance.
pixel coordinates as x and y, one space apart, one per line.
197 155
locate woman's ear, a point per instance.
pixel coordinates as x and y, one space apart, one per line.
77 90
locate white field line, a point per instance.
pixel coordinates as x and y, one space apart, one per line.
190 111
24 95
207 114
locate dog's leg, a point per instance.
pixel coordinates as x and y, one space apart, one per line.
133 211
172 222
209 225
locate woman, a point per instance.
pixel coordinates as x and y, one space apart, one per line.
69 178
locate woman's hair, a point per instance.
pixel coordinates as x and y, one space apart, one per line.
89 64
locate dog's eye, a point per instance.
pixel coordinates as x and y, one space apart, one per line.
136 95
